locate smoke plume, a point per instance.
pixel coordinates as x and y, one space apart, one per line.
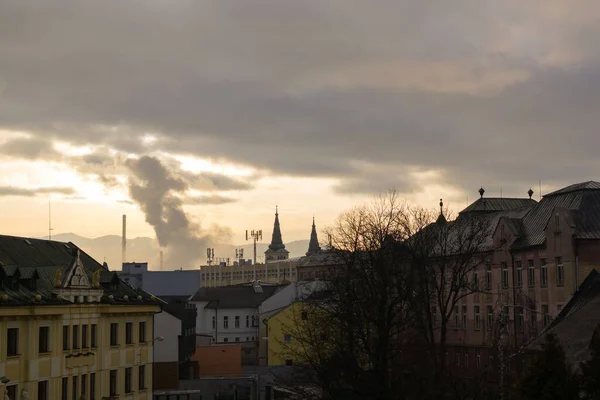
154 188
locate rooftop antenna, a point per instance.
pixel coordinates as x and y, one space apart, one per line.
254 235
124 240
210 255
49 218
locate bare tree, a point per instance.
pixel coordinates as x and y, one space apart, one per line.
447 259
357 344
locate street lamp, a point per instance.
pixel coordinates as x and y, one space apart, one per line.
156 339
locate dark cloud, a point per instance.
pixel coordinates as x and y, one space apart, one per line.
31 192
155 189
493 93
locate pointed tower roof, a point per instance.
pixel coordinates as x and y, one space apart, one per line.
313 245
276 240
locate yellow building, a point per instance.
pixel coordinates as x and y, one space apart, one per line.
271 272
69 328
283 327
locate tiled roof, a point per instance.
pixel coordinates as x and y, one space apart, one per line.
39 260
577 321
234 296
493 204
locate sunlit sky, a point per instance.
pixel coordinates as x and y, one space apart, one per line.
214 112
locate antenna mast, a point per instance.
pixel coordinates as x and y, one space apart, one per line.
254 235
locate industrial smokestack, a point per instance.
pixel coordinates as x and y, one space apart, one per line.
161 260
124 240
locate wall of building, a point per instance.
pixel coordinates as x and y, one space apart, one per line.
280 333
271 272
30 367
161 283
165 375
247 330
219 360
168 327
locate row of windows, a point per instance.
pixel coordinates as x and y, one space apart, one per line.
114 333
530 274
73 337
237 339
79 385
236 321
460 321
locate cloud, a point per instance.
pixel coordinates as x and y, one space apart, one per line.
31 192
488 92
30 148
212 199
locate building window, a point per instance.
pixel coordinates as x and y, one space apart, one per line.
93 333
477 318
12 341
545 315
11 391
505 314
457 359
113 382
466 359
478 358
464 317
560 272
43 390
128 380
255 321
93 386
504 275
44 340
287 338
520 319
75 337
289 363
226 322
455 317
558 308
84 337
543 273
247 321
214 322
475 281
225 340
114 334
304 316
237 339
64 391
83 385
237 321
530 274
488 276
142 377
129 333
533 319
74 387
66 341
490 317
519 269
142 332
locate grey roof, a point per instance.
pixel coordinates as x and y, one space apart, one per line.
582 201
577 321
28 258
493 204
313 245
276 240
240 296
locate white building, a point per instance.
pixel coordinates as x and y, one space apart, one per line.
231 314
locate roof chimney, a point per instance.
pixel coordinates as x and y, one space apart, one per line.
124 240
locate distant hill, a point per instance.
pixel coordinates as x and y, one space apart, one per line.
108 248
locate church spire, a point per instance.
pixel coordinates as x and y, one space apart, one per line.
313 245
276 240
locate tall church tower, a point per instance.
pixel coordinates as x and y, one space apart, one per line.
276 250
313 245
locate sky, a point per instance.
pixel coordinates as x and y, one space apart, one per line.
197 117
